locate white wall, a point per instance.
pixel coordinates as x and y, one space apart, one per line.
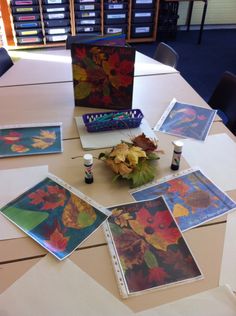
218 12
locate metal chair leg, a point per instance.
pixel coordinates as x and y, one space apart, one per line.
202 22
189 15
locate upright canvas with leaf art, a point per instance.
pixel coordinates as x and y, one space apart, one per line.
103 76
55 215
147 247
30 139
190 195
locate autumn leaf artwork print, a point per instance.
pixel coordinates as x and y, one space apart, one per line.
147 247
192 198
186 120
30 140
57 218
103 76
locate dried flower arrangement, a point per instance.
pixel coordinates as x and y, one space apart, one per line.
133 161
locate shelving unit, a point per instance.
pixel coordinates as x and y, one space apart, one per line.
46 23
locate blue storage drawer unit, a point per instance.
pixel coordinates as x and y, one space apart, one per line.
143 4
140 16
141 30
117 17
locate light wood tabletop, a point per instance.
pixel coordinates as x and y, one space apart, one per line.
54 102
51 66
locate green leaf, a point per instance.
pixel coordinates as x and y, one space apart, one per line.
82 90
150 259
123 265
25 219
106 89
116 230
143 173
79 73
85 219
117 176
152 156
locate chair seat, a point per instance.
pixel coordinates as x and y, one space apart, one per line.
166 55
5 61
223 99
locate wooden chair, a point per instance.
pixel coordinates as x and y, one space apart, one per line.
5 61
166 55
223 99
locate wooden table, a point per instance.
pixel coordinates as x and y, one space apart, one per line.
18 255
54 102
53 66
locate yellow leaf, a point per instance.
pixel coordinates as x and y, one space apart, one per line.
134 154
82 90
119 168
124 169
120 152
79 73
78 214
47 134
180 210
41 144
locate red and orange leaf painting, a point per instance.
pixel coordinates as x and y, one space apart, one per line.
150 249
192 198
57 218
103 76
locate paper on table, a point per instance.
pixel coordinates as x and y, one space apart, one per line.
211 157
13 183
110 138
67 290
228 265
216 302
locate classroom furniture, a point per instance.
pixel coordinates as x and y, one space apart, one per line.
223 99
55 66
168 20
165 54
5 61
18 255
54 102
189 15
49 22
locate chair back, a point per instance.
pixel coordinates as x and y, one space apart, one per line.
224 99
5 61
166 55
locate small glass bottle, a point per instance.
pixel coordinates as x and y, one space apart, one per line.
178 145
88 166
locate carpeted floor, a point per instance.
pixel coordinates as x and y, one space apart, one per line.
201 65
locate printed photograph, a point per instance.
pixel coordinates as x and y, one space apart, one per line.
30 140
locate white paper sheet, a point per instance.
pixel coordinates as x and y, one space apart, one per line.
228 265
59 288
110 138
67 290
216 302
216 158
13 183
